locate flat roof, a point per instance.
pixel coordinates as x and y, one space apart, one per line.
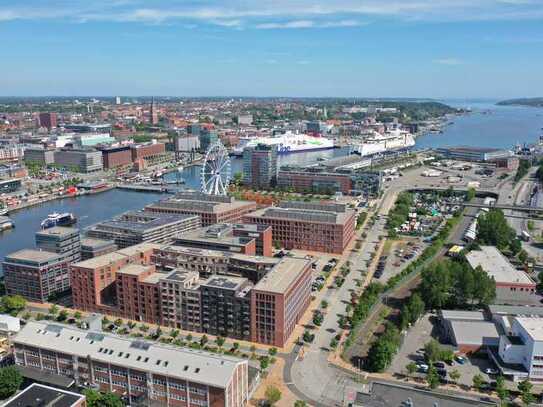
469 149
95 243
38 395
462 315
532 326
303 215
475 333
134 269
221 234
138 248
282 275
141 221
33 255
100 261
57 231
200 203
182 363
520 310
495 264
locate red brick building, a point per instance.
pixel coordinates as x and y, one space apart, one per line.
279 300
113 157
211 208
48 120
318 182
138 293
316 227
147 151
262 234
93 281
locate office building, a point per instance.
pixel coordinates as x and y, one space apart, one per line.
513 286
260 166
187 143
279 300
39 395
207 138
306 226
61 240
226 307
84 160
474 153
142 372
212 209
39 155
149 151
10 185
89 128
96 247
236 238
137 227
36 275
114 157
314 182
48 120
520 351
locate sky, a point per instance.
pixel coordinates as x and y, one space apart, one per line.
309 48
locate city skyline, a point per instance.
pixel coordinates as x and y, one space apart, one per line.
420 49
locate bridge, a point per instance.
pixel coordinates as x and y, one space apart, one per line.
516 208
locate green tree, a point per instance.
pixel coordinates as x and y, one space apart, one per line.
203 340
454 375
97 399
493 229
272 394
10 381
53 310
12 303
432 378
300 403
501 390
411 368
432 351
525 389
478 382
264 363
470 194
220 341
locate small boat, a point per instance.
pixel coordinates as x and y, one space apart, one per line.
58 219
3 212
6 223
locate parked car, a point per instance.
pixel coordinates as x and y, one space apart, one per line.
439 365
460 359
491 371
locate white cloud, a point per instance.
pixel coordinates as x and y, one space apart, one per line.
270 14
308 24
448 61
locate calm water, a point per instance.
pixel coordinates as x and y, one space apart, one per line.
89 209
501 126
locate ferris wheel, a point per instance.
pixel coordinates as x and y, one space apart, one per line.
215 170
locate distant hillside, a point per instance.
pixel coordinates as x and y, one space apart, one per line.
533 102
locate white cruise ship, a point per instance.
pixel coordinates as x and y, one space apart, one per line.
380 143
288 142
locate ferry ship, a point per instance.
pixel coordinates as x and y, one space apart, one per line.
381 143
288 142
6 223
58 219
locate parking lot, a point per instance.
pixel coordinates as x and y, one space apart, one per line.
412 350
399 255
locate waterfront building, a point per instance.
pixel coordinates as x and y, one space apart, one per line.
474 153
136 227
48 120
237 238
187 143
84 140
145 373
211 208
207 138
84 160
39 155
61 240
307 226
260 166
8 171
279 300
149 151
114 157
10 185
96 247
36 275
314 182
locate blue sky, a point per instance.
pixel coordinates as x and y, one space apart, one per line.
363 48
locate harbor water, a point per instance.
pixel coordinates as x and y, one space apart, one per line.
487 125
